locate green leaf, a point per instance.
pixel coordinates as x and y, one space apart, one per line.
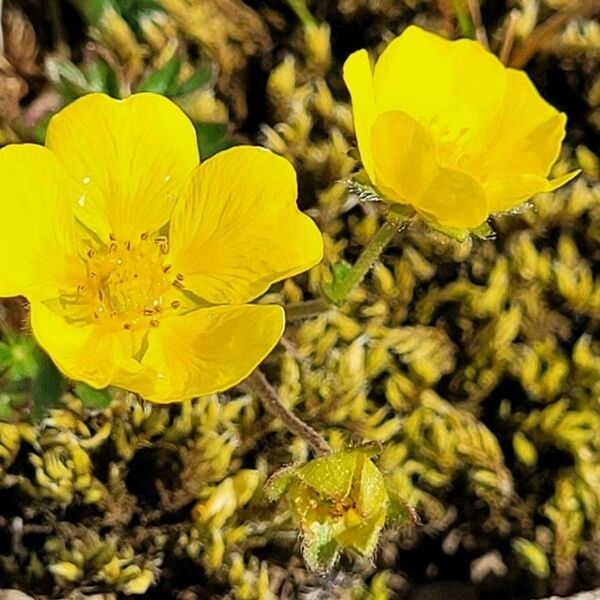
213 138
200 77
66 77
340 271
161 81
47 386
92 398
92 10
5 354
8 411
102 77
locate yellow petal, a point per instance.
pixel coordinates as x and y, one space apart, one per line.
211 349
129 157
528 133
509 191
38 255
87 352
455 87
404 156
407 171
454 199
358 76
236 228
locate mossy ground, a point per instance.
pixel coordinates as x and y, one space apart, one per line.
476 364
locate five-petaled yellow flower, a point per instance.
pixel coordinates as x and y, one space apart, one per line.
138 262
444 127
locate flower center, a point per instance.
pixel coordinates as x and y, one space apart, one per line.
127 284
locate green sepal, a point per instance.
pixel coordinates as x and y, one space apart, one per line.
365 190
102 77
213 138
278 483
320 550
92 398
199 78
162 80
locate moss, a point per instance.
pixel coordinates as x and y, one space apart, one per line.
474 363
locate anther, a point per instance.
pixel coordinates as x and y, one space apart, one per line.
178 284
112 246
96 315
80 288
148 312
126 325
145 236
91 253
179 277
175 304
154 323
166 268
101 295
112 237
128 246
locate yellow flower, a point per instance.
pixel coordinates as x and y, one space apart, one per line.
138 262
444 127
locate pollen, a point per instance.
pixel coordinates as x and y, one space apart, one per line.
127 285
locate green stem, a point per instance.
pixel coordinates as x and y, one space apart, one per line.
465 24
302 12
339 290
274 405
309 308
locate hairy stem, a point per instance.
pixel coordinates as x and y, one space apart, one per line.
275 406
307 309
341 289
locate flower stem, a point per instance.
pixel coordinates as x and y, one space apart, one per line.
340 289
465 24
307 309
275 406
302 12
